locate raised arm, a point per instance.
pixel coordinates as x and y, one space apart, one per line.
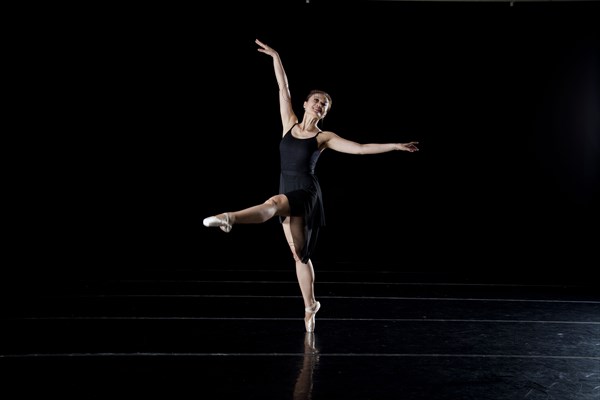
338 143
288 118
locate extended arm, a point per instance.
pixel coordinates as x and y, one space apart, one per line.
285 101
337 143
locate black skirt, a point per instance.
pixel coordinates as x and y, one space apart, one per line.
305 198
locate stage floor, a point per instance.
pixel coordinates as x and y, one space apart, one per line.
232 332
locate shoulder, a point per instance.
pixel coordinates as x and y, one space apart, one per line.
325 137
287 127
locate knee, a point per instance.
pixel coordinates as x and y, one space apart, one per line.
278 203
295 252
276 200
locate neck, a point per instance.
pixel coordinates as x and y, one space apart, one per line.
309 124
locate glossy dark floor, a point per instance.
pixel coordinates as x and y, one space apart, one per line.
238 333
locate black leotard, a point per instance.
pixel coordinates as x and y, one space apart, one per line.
301 186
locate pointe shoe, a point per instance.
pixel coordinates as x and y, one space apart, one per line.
310 322
224 224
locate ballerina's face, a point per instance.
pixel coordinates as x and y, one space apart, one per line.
318 103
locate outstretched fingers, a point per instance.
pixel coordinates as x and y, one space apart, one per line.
411 146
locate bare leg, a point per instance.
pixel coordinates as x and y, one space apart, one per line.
293 228
276 205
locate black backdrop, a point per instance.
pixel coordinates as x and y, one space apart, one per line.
138 123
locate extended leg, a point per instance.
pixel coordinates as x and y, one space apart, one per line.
276 205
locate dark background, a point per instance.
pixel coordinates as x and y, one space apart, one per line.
135 124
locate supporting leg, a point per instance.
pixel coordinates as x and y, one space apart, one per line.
293 228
